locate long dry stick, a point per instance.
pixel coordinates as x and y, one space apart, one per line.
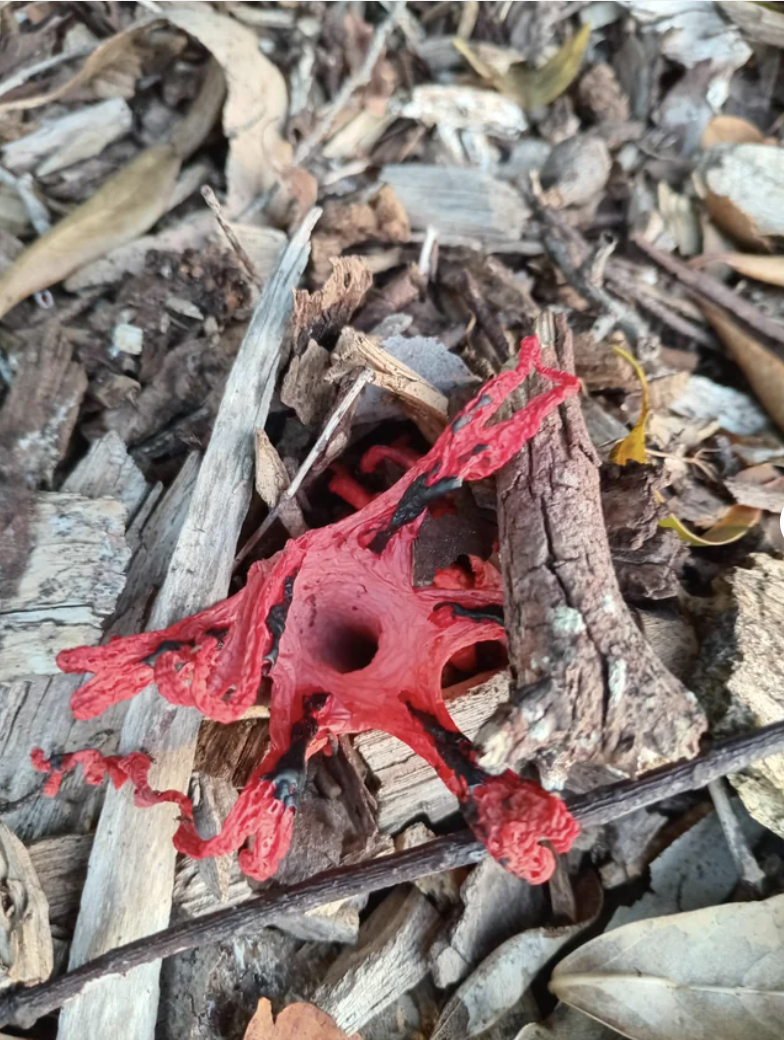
24 1006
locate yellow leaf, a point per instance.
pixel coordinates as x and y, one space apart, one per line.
632 447
768 269
531 87
737 521
763 369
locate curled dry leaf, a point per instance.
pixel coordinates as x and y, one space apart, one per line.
26 952
296 1022
125 205
531 87
256 105
763 369
717 972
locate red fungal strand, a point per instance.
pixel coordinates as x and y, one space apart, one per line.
373 457
349 489
336 613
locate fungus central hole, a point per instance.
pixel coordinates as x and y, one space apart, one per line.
348 647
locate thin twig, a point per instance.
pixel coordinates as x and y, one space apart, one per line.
361 77
210 198
24 1006
364 376
705 286
748 868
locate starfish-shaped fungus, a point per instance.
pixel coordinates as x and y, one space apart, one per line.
349 644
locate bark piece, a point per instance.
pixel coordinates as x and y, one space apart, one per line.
496 906
464 205
587 688
59 143
442 888
61 867
129 886
409 788
38 713
304 388
26 953
390 959
272 479
647 558
322 314
73 576
108 471
741 674
381 219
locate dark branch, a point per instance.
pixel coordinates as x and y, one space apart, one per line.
24 1006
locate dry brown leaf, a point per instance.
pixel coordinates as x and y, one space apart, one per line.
763 369
119 53
768 269
531 87
296 1022
125 206
717 972
256 106
732 130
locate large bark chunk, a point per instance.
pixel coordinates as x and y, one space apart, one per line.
588 690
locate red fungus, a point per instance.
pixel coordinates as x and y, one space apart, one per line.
349 644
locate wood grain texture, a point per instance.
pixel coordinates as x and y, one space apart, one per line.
129 882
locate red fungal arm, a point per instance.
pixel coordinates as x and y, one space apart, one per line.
348 644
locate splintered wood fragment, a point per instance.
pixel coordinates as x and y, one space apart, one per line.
588 691
129 884
390 958
73 576
26 952
460 203
604 805
107 470
425 405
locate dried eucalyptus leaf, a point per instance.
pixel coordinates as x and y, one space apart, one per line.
716 972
